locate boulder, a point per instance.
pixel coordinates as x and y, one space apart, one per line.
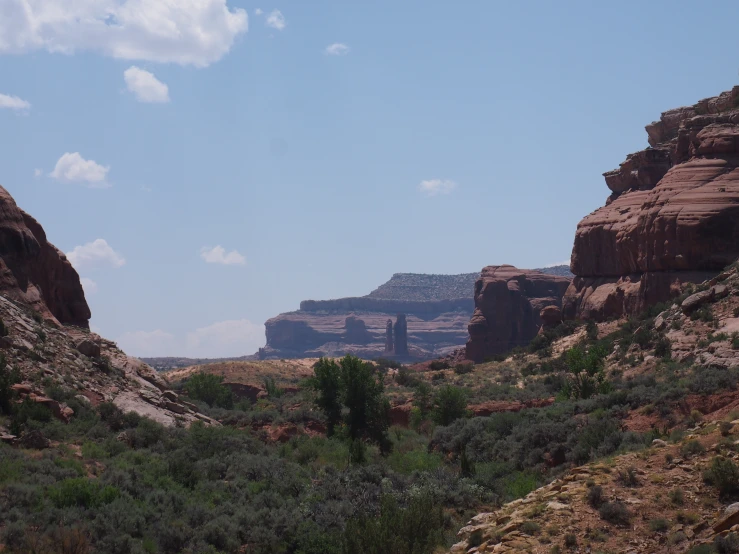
88 348
695 301
551 316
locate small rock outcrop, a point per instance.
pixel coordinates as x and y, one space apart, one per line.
508 305
672 217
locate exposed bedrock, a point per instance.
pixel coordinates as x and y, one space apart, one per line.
673 216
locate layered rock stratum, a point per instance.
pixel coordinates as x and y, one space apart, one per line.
672 217
508 306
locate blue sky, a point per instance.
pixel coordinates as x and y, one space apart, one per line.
324 146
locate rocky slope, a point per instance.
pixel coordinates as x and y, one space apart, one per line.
45 336
436 310
508 303
671 217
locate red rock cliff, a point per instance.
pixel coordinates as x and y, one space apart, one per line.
508 302
34 272
673 216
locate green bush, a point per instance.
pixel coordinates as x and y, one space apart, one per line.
208 388
81 492
450 404
438 365
615 512
595 497
585 372
659 525
692 448
464 368
724 475
416 529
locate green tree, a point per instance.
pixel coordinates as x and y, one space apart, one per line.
327 382
355 385
585 372
450 404
423 399
208 388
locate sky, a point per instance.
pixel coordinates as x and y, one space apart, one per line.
208 164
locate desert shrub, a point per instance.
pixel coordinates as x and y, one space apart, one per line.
81 492
615 512
659 525
692 448
725 428
676 496
705 314
530 528
384 364
208 388
591 330
416 529
628 477
570 540
271 388
728 544
464 368
585 372
405 378
450 404
466 465
724 475
595 497
663 348
438 365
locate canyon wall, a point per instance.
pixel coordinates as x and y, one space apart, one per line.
672 217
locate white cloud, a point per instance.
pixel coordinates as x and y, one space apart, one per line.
432 187
89 286
187 32
258 11
95 254
276 20
38 173
72 167
148 343
337 49
218 255
145 86
13 102
224 339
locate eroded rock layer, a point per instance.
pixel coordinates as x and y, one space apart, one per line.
673 216
508 303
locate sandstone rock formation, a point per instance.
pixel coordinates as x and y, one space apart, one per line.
508 302
672 217
34 272
435 310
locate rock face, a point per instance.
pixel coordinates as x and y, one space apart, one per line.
673 216
508 302
34 272
434 311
